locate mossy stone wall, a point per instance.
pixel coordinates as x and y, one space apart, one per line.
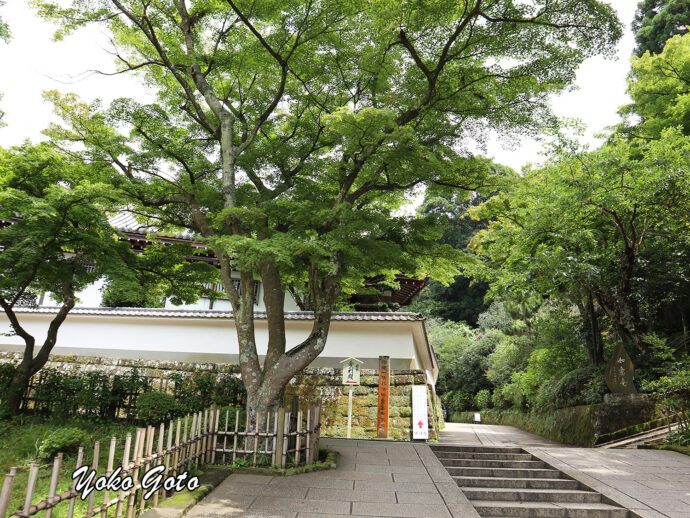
326 383
578 425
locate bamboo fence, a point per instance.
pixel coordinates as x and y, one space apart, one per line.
288 437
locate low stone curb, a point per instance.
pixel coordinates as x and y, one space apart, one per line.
179 504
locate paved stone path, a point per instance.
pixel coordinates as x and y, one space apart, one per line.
652 483
373 478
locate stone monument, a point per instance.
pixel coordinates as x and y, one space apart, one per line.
623 406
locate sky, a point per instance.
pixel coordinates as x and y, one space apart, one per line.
32 63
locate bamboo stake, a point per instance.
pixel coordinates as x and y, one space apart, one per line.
94 465
108 472
205 440
176 452
286 424
225 435
6 491
275 434
280 431
138 446
268 432
308 449
150 433
57 464
168 447
30 487
215 434
192 438
256 439
183 455
80 460
298 437
159 456
234 442
125 472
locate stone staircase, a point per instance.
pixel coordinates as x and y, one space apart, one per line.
507 481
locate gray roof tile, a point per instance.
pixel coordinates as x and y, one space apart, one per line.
205 313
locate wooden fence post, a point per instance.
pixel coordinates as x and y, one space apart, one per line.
234 441
80 460
216 413
57 464
30 487
280 424
298 437
6 491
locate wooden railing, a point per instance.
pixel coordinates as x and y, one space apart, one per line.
287 437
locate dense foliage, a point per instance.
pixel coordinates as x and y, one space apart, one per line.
96 396
658 20
590 249
292 134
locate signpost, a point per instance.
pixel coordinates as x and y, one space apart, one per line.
350 378
384 395
420 413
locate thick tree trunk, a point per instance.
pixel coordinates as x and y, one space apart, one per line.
265 384
18 386
30 365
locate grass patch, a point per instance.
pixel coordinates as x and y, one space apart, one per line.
21 439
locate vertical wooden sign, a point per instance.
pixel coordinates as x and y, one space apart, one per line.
384 395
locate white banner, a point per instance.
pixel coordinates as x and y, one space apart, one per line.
420 416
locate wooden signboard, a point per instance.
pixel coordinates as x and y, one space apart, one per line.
384 395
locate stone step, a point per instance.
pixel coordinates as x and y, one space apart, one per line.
484 456
531 495
548 510
532 483
503 472
476 449
474 463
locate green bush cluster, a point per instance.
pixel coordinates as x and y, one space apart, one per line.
199 390
98 396
61 440
155 407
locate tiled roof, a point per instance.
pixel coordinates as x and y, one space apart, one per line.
126 222
205 313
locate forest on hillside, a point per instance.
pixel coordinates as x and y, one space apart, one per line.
571 257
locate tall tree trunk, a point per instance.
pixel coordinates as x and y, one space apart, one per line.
265 384
30 365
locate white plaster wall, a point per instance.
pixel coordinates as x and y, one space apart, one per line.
210 339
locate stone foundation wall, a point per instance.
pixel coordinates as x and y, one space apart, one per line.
324 383
327 384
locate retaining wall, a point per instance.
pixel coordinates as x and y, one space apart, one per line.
324 383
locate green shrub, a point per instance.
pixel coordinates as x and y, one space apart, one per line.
483 399
546 396
61 440
570 389
154 407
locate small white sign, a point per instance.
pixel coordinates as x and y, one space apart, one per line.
477 417
420 416
351 371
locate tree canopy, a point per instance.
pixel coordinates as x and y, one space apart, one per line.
660 89
290 136
658 20
56 240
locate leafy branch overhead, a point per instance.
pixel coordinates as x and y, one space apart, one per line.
290 136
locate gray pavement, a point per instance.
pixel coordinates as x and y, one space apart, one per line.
651 483
491 435
373 478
